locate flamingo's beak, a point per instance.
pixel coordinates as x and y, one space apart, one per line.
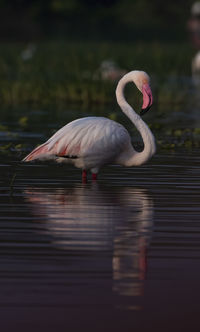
147 98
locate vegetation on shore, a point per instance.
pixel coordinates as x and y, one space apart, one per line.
46 85
61 72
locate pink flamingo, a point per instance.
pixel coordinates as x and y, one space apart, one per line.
92 142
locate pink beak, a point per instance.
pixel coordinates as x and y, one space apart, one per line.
147 98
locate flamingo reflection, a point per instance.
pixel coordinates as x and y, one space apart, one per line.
95 218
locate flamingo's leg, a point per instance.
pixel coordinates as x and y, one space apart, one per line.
142 258
94 176
84 176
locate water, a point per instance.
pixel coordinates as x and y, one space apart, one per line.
122 254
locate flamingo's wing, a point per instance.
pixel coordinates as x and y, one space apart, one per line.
83 137
37 152
66 141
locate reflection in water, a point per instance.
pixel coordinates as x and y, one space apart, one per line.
92 218
70 254
130 246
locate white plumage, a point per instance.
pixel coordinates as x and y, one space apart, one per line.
89 143
196 69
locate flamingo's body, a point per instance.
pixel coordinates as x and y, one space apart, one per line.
196 69
89 143
109 70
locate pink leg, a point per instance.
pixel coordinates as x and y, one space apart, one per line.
94 176
84 176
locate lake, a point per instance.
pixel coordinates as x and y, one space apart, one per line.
120 254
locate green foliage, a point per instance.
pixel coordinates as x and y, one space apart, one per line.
60 73
62 81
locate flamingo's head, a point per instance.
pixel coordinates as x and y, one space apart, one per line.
142 81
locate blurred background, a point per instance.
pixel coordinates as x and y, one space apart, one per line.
60 60
105 20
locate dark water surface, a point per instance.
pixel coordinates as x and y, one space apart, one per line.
122 254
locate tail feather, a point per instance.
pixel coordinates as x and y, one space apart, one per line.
47 151
36 153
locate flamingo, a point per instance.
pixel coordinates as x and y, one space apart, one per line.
109 70
196 69
92 142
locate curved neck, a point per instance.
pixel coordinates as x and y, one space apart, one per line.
136 158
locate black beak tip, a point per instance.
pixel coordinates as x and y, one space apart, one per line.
144 110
